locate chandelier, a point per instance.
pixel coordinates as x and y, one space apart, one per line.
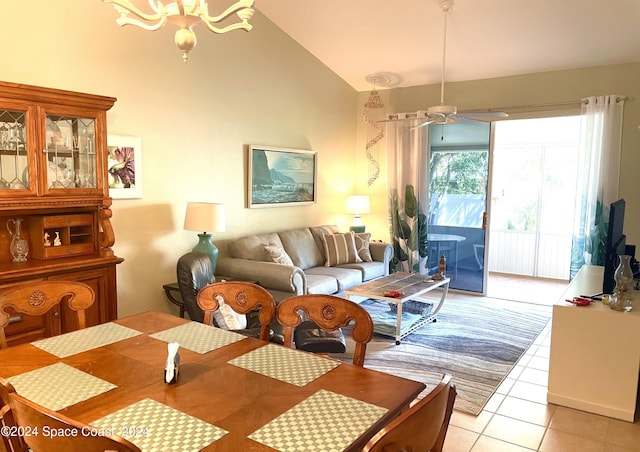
185 14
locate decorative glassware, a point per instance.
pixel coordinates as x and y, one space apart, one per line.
622 299
19 246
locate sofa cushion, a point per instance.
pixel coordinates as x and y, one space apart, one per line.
362 240
345 277
252 246
300 246
368 270
340 249
318 232
277 254
321 284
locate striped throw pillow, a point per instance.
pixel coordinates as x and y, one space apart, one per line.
340 248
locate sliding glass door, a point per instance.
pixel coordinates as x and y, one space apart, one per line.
458 182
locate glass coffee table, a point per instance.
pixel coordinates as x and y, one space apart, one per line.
412 286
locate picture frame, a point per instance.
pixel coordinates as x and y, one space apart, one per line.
280 177
124 166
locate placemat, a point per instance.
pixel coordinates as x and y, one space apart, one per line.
324 422
153 426
198 337
58 386
285 364
87 339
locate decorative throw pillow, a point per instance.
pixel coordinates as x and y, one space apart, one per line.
228 319
277 254
340 249
362 240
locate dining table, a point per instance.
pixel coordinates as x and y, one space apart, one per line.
232 392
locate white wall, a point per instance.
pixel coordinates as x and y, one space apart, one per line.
195 121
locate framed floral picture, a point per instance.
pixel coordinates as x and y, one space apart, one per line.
124 166
281 177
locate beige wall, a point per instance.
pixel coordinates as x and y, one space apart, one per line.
543 88
194 120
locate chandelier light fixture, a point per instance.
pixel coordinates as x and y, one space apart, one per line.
185 14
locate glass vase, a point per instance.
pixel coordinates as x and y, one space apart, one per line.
19 247
623 276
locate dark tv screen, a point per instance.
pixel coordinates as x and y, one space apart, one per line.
614 245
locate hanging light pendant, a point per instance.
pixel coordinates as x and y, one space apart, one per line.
185 14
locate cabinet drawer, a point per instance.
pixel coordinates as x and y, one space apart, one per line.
62 221
52 252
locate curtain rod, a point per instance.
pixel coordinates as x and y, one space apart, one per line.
523 108
568 103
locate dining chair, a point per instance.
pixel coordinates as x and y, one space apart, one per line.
329 313
37 299
11 442
73 435
422 427
222 301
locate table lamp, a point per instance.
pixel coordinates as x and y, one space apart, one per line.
358 205
206 217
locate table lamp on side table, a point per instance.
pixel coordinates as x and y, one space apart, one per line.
358 205
206 217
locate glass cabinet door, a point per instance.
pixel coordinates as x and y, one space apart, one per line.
14 159
71 160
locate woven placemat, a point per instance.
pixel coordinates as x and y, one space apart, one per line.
285 364
198 337
153 426
58 386
87 339
324 422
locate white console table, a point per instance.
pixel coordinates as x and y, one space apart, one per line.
595 352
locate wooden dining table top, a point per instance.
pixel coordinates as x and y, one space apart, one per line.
253 409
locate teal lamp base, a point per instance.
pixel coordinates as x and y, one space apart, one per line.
206 247
357 225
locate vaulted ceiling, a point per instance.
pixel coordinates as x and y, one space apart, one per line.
403 39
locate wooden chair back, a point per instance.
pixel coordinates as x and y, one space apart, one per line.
421 428
329 312
11 442
38 298
242 297
31 416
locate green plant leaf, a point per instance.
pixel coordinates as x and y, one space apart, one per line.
410 202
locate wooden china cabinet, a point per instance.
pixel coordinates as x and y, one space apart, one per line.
54 189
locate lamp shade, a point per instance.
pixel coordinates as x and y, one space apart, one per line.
358 204
204 217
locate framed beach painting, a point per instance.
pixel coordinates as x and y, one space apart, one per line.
281 177
124 165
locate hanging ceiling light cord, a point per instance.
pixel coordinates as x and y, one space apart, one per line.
373 114
446 7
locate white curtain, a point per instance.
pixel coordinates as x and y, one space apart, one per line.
408 184
598 177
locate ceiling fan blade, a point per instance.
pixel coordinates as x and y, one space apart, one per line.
484 114
424 124
462 119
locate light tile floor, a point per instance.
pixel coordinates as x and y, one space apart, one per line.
518 418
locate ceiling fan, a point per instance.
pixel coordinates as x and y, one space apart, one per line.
446 114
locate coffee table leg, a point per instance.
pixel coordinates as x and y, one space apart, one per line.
398 322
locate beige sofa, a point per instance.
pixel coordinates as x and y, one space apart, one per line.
295 262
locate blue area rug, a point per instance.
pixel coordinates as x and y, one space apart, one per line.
477 340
